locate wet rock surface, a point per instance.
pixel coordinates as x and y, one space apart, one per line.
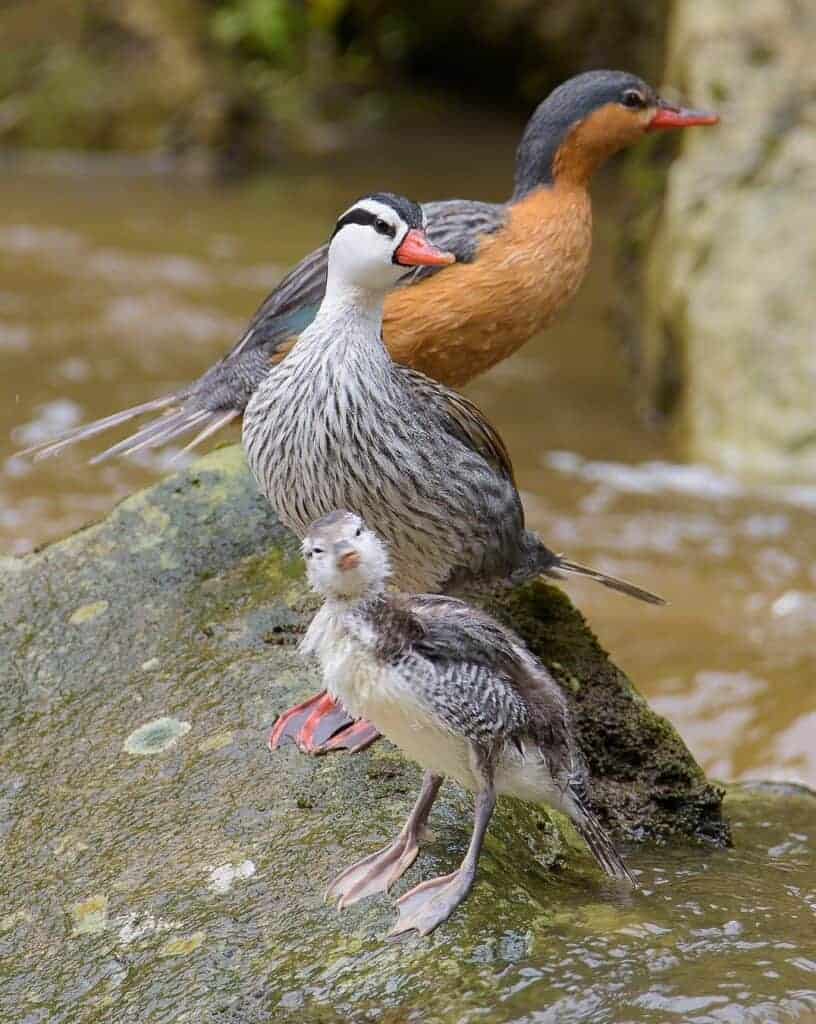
160 865
730 298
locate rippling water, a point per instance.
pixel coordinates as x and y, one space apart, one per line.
115 290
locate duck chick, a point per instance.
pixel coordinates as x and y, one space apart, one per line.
455 691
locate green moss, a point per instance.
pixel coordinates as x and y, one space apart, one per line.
644 778
183 946
156 737
147 831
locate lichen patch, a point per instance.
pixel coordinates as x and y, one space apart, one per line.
155 737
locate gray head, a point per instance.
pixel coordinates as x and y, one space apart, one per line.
587 119
344 558
378 239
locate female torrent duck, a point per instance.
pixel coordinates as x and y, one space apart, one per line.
339 424
517 264
456 692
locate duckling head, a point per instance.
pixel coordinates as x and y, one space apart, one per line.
377 240
345 560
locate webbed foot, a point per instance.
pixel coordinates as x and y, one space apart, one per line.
319 725
375 873
430 903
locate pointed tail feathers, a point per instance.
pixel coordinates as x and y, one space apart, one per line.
207 405
173 424
45 449
167 428
599 841
566 565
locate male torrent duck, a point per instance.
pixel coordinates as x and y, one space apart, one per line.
339 424
517 264
458 693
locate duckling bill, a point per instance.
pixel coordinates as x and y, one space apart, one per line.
458 693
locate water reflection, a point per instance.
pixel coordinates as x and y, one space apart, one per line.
116 291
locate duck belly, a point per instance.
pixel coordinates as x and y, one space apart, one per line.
525 775
384 699
421 737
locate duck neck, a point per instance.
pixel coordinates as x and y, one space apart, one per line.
551 154
346 305
338 604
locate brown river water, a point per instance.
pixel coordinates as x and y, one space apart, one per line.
114 289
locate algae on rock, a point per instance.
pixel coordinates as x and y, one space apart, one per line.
197 599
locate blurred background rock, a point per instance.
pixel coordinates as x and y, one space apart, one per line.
730 338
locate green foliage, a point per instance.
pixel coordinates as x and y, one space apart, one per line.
264 27
276 30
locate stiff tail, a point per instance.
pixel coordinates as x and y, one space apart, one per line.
565 565
173 424
207 405
599 841
45 449
167 428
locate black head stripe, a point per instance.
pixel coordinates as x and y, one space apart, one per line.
356 216
409 211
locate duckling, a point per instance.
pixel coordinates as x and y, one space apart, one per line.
518 264
455 691
339 424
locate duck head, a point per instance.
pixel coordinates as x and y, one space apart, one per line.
377 240
345 560
587 119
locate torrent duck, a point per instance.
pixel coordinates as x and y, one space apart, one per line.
517 264
455 691
339 424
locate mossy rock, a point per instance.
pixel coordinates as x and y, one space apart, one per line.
181 612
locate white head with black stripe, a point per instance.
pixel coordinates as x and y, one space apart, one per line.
377 240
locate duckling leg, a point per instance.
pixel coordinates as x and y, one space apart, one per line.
379 871
430 903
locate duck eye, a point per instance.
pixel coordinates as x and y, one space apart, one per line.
358 532
382 227
316 551
633 99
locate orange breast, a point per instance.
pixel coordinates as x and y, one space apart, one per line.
470 316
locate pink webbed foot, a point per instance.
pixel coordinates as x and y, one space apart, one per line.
375 873
379 871
320 725
430 903
353 738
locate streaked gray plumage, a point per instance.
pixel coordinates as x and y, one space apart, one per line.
339 424
457 692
